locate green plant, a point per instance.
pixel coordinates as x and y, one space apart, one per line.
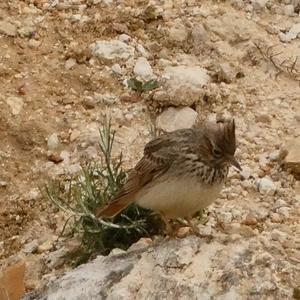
140 86
79 197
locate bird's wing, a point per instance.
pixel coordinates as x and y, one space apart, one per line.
158 157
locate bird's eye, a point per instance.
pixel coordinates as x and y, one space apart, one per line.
217 153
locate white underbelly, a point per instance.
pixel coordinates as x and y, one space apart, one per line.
178 198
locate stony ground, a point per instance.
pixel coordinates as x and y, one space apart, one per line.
64 65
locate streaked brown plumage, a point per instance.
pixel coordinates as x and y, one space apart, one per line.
181 172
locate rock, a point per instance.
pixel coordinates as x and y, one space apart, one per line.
292 160
259 4
142 68
107 99
176 118
70 63
263 118
178 33
3 183
116 68
266 186
53 141
292 34
199 34
56 259
31 247
32 43
8 28
250 220
112 50
33 194
275 218
288 10
226 73
75 134
46 246
16 104
183 85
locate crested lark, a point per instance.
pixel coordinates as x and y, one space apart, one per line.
180 173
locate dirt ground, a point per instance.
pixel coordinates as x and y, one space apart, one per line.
40 95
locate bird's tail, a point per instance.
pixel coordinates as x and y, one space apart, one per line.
115 207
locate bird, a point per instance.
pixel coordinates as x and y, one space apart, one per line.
180 173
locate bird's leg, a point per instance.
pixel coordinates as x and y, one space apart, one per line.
169 230
194 228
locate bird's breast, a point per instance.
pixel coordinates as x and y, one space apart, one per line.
178 197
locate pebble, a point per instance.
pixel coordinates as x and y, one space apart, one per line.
182 85
142 68
31 247
3 183
112 50
284 211
46 246
70 63
116 68
178 33
8 28
53 141
292 159
278 235
176 118
33 43
250 220
276 218
266 186
263 118
16 104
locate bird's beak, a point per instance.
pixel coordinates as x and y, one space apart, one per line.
235 163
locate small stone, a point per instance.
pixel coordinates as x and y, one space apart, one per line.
124 38
284 211
227 73
292 160
8 28
279 203
117 69
259 4
70 63
16 104
46 246
53 141
176 118
33 43
263 118
56 259
33 195
89 102
278 235
75 134
288 10
142 68
106 98
3 183
31 247
266 186
55 158
26 31
225 217
275 218
183 85
178 33
292 34
250 220
183 232
112 50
